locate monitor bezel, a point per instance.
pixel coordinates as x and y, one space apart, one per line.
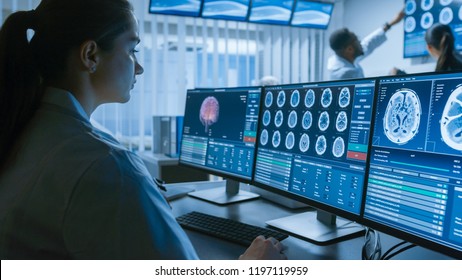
213 171
313 26
399 233
305 200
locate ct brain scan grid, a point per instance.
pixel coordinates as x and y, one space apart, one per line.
313 140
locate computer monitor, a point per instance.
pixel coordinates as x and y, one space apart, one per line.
271 11
226 9
190 8
414 189
313 147
219 136
312 14
421 15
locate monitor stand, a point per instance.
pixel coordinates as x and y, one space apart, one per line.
319 227
224 195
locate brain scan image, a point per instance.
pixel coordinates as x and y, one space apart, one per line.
269 99
209 112
427 20
307 120
344 98
445 2
451 121
410 7
323 122
266 118
295 98
264 137
309 98
426 4
402 116
321 145
278 119
342 121
281 98
276 139
446 16
410 24
292 120
326 98
304 143
338 148
290 140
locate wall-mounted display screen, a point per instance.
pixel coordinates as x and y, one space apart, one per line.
227 10
312 14
175 7
421 15
271 11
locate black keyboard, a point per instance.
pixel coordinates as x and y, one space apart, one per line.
226 229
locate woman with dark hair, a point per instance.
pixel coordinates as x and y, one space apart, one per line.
67 189
440 44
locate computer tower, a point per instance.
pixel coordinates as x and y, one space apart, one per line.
164 134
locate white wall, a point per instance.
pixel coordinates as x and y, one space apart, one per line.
363 17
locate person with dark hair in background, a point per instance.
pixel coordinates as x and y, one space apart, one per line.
349 51
67 189
440 44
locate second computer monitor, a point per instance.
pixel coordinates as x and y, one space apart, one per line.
313 144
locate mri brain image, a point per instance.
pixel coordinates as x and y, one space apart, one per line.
264 137
281 98
446 15
266 118
292 120
326 98
269 99
304 143
410 24
309 98
451 121
276 139
209 112
278 119
321 145
307 120
323 122
427 20
344 97
402 116
426 4
290 140
338 148
410 7
342 121
295 98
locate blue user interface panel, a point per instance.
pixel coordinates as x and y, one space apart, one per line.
226 10
271 11
421 15
220 130
312 14
415 180
190 8
313 142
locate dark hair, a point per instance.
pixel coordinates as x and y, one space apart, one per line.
340 39
26 67
440 37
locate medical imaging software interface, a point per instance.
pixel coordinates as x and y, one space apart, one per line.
415 181
313 141
220 128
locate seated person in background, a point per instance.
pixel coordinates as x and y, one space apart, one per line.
349 51
268 81
67 189
441 45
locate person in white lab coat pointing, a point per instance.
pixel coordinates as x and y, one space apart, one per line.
349 51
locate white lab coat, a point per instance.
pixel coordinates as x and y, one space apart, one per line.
75 192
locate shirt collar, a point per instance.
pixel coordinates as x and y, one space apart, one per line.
64 98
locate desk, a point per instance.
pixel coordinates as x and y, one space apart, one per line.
258 211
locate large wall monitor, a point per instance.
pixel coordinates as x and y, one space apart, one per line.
421 15
219 137
414 188
271 11
313 147
190 8
312 14
226 9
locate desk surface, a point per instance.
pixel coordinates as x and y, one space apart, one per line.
256 212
